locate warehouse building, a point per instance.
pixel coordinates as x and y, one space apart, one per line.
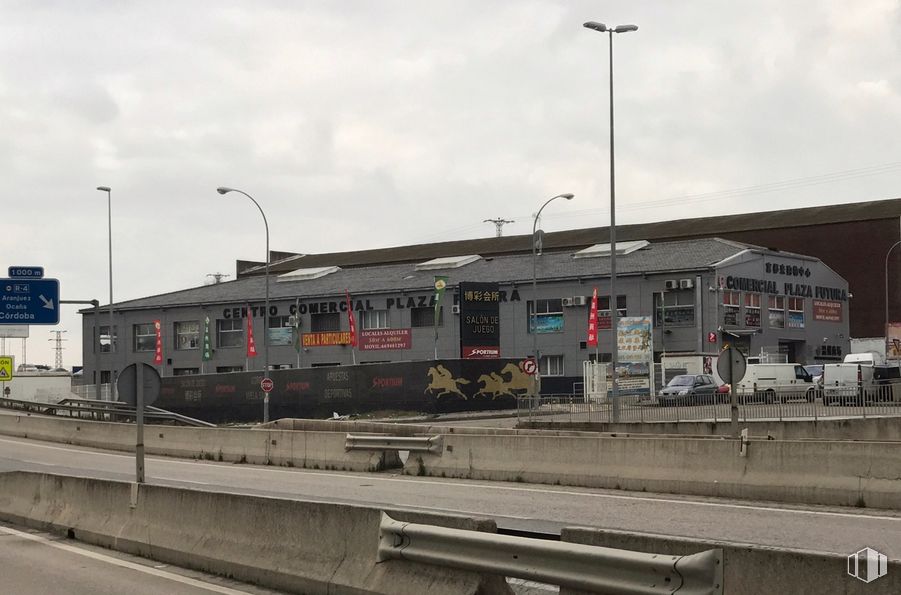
699 293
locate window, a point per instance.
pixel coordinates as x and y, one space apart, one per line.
187 335
604 305
675 308
280 330
226 369
776 304
731 308
795 312
229 333
547 318
752 309
325 322
145 337
422 317
185 371
105 341
373 319
552 365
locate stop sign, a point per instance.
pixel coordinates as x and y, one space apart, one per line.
267 385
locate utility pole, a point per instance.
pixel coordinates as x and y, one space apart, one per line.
58 362
498 224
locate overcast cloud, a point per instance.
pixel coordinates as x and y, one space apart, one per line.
369 124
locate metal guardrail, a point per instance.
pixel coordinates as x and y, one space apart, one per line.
577 566
380 442
100 411
847 403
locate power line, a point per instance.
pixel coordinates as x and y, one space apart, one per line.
58 362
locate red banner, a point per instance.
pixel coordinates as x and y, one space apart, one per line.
351 321
251 344
593 320
158 356
389 338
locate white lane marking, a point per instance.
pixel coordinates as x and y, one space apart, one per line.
125 564
409 479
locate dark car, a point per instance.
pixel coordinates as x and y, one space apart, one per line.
688 389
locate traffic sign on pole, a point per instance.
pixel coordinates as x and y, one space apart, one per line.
267 385
6 367
29 301
528 366
26 272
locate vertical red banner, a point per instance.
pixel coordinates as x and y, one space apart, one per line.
351 321
158 356
251 344
593 320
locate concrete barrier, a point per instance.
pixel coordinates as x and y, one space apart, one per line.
873 428
295 546
836 473
752 569
405 429
311 450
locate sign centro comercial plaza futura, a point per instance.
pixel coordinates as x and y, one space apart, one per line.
480 320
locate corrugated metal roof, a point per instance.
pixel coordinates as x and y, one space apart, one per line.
685 255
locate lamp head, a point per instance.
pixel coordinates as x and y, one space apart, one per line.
103 188
595 25
568 196
625 28
223 189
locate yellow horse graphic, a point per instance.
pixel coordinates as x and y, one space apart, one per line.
493 385
444 383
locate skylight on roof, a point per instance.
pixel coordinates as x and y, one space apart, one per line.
447 262
622 248
308 274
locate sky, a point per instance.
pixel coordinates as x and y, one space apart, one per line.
380 123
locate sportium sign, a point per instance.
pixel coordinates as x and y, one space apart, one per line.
480 320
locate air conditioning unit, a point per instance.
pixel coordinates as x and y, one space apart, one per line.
580 300
568 302
686 283
672 284
455 309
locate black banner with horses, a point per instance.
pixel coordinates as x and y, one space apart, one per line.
422 386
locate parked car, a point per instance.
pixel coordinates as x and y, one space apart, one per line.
688 389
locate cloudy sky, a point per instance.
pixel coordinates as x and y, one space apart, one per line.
368 124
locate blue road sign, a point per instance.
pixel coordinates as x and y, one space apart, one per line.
26 272
29 301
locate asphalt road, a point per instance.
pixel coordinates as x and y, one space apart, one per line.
36 563
539 508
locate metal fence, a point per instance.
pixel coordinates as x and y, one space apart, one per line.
89 391
836 403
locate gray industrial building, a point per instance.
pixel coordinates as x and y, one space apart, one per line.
701 294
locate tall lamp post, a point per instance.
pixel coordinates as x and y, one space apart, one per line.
887 254
534 317
225 190
112 344
614 314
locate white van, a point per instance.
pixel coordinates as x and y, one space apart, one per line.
778 382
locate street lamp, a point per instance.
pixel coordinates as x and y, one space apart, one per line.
534 318
887 254
602 28
224 190
112 346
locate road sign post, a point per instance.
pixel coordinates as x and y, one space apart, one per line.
29 301
731 367
266 384
139 384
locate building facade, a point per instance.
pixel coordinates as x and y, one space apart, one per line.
700 294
